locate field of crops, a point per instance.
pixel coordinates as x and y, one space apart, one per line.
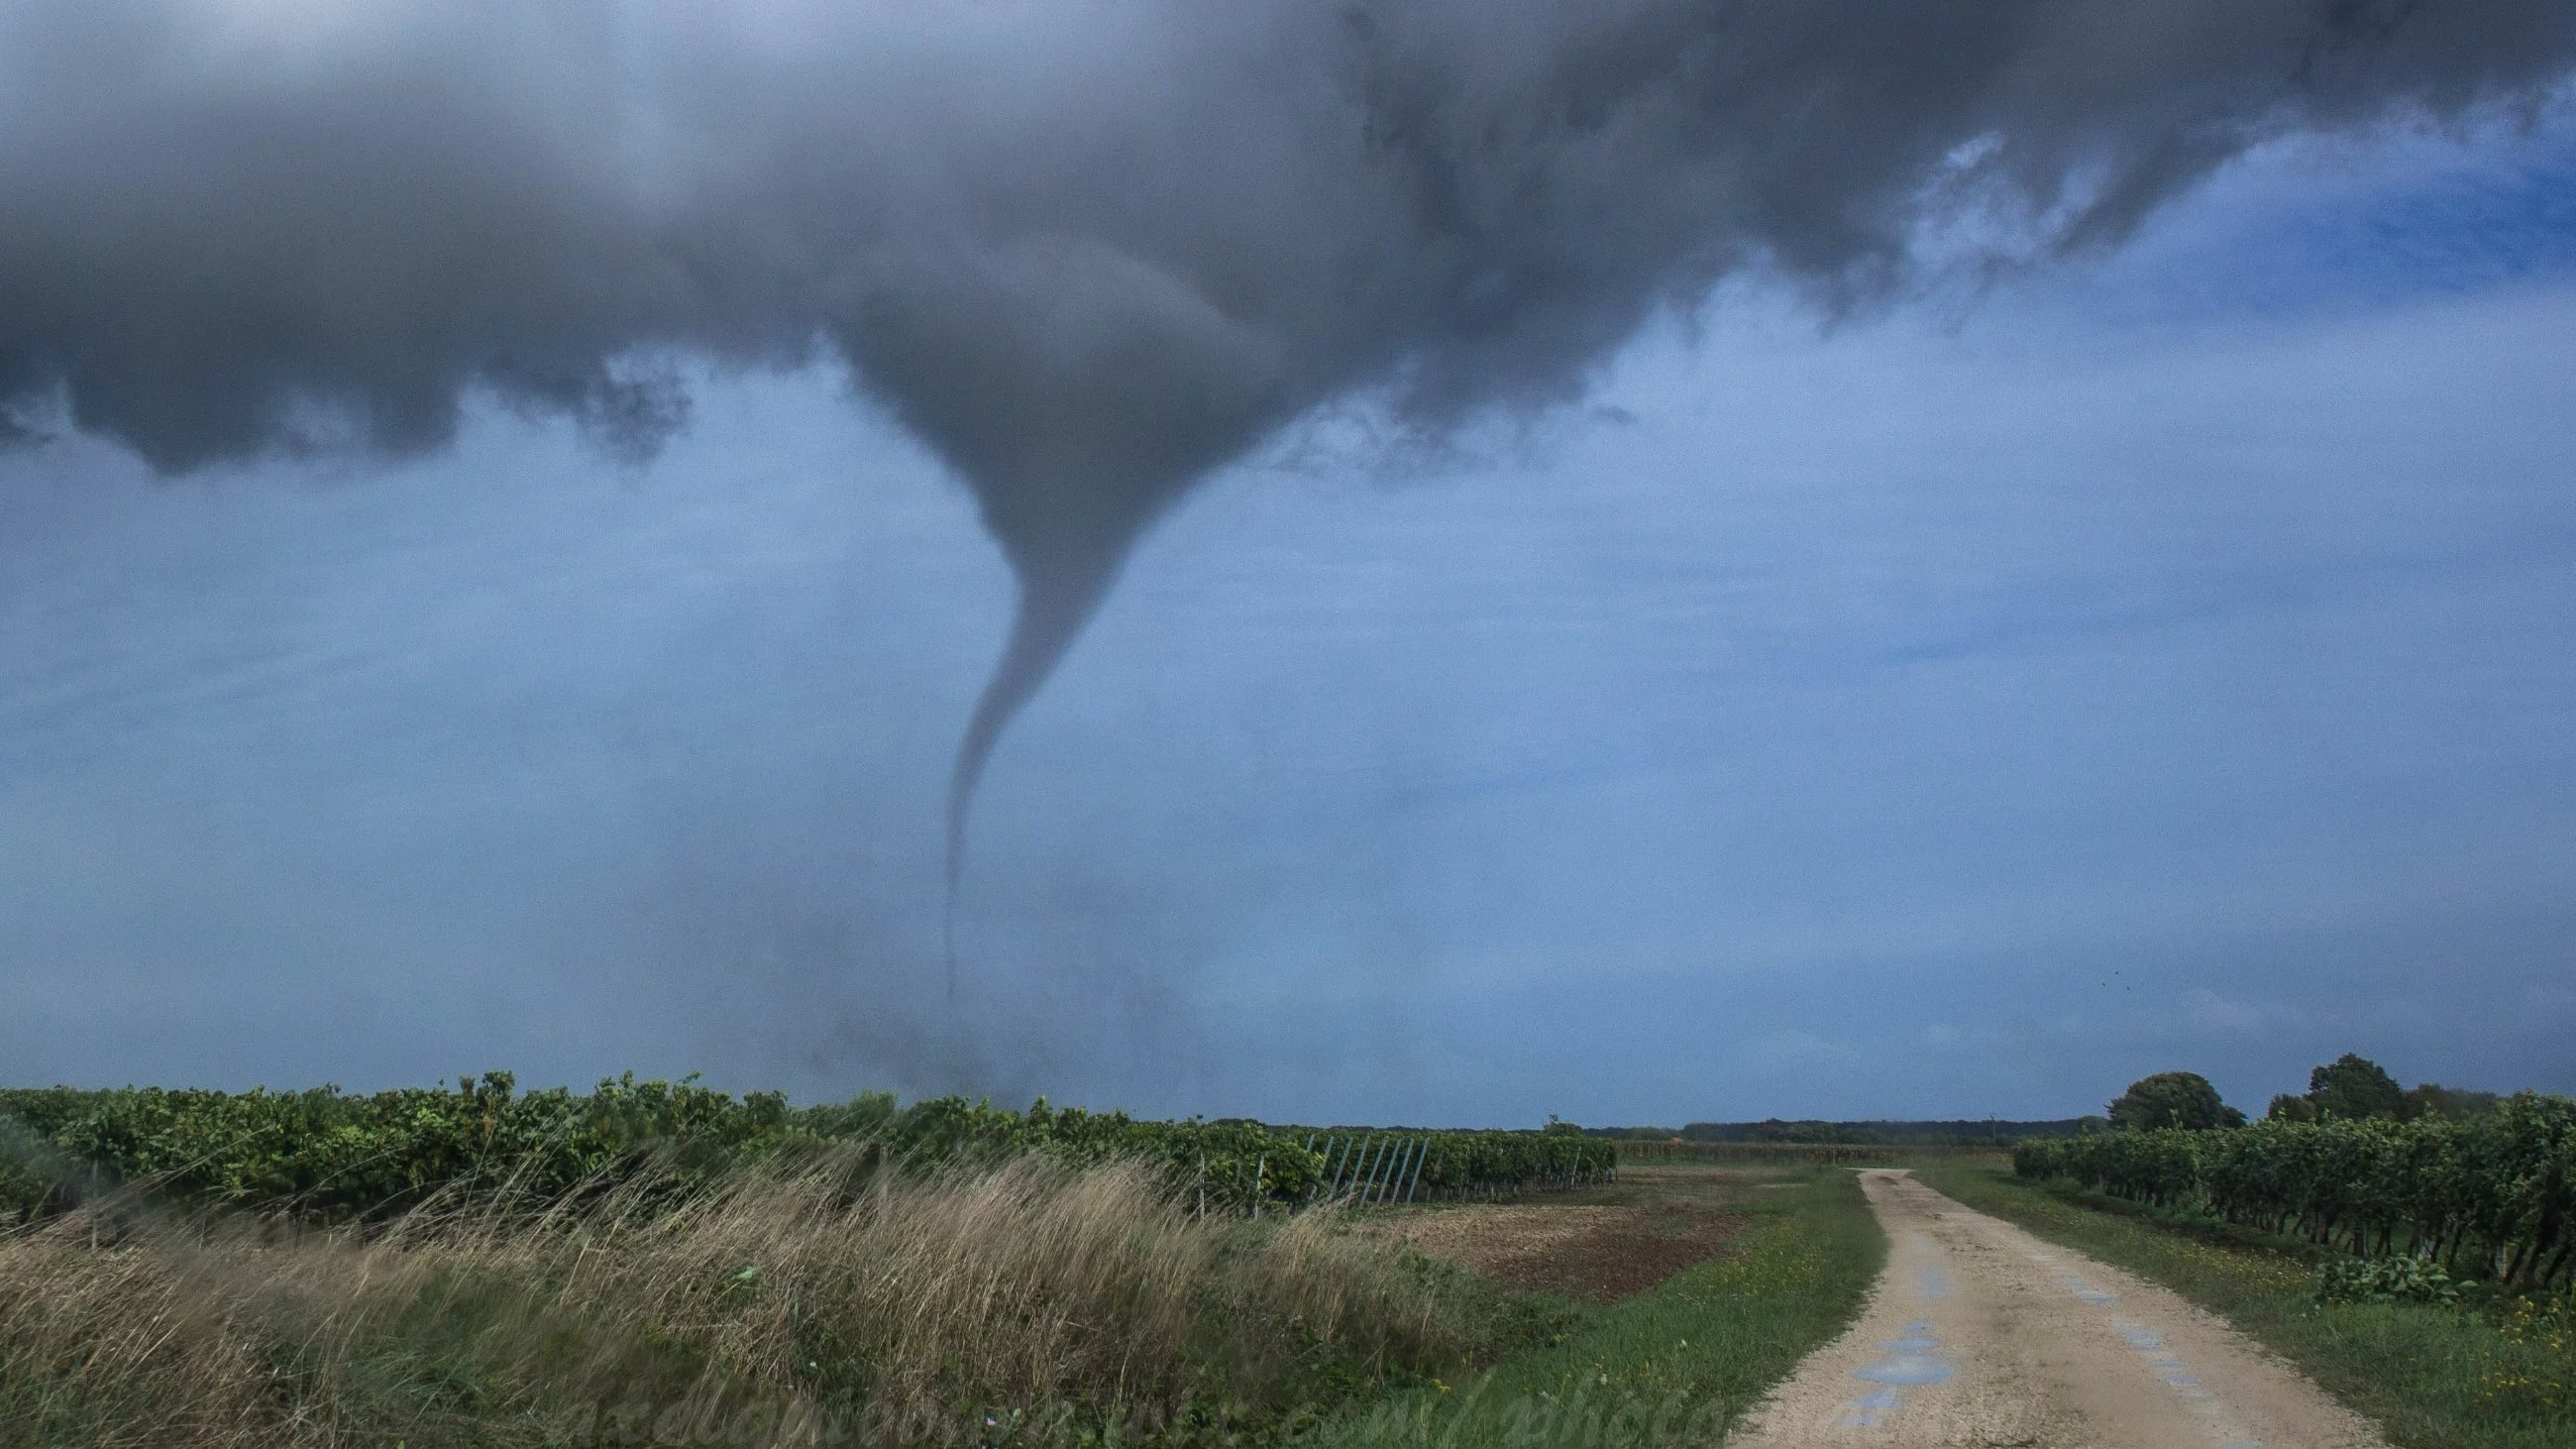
333 1156
1833 1154
2488 1197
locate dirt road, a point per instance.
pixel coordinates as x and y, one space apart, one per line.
1981 1335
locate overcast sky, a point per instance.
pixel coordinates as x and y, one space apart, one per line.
1958 705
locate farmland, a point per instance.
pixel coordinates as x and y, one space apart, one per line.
322 1155
2490 1197
660 1262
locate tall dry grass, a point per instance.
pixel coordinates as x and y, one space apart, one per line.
805 1305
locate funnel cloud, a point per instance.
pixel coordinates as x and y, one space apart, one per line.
1086 253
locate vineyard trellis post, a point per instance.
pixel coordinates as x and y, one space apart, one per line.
1395 1178
1341 1167
1405 1154
1341 1162
1368 1162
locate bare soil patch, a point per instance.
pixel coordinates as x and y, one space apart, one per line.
1594 1246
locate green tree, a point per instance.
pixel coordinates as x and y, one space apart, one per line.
2432 1099
2172 1099
2289 1108
2351 1088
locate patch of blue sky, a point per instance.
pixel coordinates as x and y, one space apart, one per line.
2465 232
2317 226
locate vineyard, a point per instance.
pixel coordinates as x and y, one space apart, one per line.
1369 1168
1766 1154
329 1156
2489 1197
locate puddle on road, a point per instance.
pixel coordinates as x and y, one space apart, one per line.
2084 1292
2179 1376
1910 1361
1906 1368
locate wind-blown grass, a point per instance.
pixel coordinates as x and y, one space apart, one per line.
1029 1303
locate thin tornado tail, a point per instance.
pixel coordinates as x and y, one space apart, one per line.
948 939
1041 631
992 711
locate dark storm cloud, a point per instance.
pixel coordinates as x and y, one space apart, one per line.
1087 252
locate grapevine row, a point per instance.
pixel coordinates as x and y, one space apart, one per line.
2492 1196
331 1156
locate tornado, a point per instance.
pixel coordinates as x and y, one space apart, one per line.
1087 254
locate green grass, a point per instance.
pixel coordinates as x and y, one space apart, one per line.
1025 1305
1675 1365
1026 1302
2498 1377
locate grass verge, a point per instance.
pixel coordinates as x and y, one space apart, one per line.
1674 1365
2498 1376
1028 1304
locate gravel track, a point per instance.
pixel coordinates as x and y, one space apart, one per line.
1979 1334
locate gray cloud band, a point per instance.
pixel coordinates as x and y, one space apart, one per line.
1087 252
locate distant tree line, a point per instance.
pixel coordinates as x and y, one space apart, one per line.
2348 1089
1964 1132
2356 1089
